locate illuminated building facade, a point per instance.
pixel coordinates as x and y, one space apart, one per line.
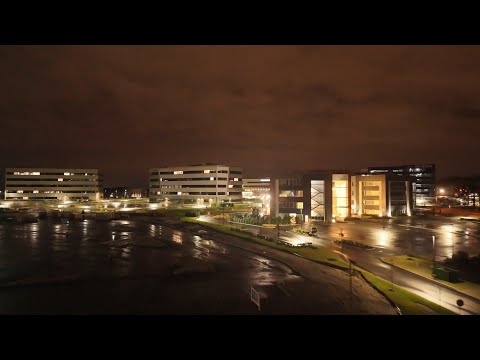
124 193
257 191
286 196
381 195
201 184
318 196
422 177
52 184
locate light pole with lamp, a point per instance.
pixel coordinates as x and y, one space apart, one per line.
223 212
350 262
452 239
433 260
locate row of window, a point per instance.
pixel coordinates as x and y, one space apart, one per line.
56 179
205 171
52 186
291 193
291 205
51 192
196 179
196 193
36 198
291 182
47 173
371 193
195 186
371 183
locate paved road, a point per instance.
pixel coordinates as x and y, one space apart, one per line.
143 267
396 239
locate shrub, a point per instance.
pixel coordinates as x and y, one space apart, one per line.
190 214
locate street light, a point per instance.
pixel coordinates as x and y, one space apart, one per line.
433 260
451 238
350 261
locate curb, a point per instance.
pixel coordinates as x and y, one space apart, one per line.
432 281
380 292
318 262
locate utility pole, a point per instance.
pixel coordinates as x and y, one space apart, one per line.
391 277
351 287
223 213
278 230
452 239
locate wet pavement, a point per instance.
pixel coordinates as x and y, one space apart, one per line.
135 267
399 237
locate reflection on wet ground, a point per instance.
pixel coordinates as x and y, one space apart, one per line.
410 235
127 267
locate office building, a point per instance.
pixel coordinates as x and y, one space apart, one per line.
201 184
381 195
318 196
125 193
52 184
257 192
422 177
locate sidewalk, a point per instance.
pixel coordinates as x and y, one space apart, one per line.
423 268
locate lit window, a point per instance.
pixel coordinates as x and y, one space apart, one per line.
179 172
20 191
35 173
158 192
66 173
59 179
179 193
35 191
212 178
206 171
86 174
230 186
25 198
235 179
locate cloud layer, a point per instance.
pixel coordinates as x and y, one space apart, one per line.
265 108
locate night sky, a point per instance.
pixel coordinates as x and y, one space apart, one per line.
268 109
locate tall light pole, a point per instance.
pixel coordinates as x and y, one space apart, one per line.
433 260
278 229
451 238
350 261
223 213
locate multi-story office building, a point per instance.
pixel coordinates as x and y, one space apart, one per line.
335 195
52 184
422 178
257 191
318 196
254 188
125 193
205 183
286 196
381 195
